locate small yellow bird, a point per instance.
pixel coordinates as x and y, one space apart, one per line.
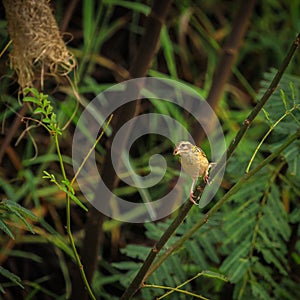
194 163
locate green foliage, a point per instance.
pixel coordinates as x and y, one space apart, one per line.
66 188
258 216
9 210
44 108
12 277
248 240
253 241
285 105
198 255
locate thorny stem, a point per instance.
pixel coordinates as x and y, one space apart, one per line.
138 280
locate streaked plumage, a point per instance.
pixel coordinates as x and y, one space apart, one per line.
194 162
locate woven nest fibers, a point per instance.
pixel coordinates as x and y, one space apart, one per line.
36 40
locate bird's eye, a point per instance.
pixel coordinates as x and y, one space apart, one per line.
183 145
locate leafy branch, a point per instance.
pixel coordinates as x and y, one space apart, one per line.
178 288
11 276
221 202
142 273
65 187
44 108
49 122
9 210
288 112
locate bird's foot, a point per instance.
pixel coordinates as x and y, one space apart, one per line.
206 178
192 199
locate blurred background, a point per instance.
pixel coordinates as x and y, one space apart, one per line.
250 246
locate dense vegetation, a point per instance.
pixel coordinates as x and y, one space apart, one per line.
244 244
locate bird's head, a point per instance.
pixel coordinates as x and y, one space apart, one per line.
182 148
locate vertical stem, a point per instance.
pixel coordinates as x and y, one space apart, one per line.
68 226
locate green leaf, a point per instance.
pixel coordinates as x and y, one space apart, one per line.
73 197
262 270
238 270
127 265
46 120
32 100
19 216
212 274
295 215
39 110
88 21
138 7
24 255
18 211
167 47
49 109
196 254
259 291
177 269
34 91
11 276
210 251
4 228
271 258
17 207
240 251
136 251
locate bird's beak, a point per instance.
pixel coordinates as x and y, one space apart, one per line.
176 151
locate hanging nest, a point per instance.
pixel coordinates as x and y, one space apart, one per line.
36 40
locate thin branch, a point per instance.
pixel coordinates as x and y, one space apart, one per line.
192 295
274 82
90 151
287 113
220 203
137 282
68 227
248 121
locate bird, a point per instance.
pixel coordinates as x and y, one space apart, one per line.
194 163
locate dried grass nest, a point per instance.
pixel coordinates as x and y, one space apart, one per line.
36 40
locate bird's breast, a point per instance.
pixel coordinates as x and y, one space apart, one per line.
194 165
